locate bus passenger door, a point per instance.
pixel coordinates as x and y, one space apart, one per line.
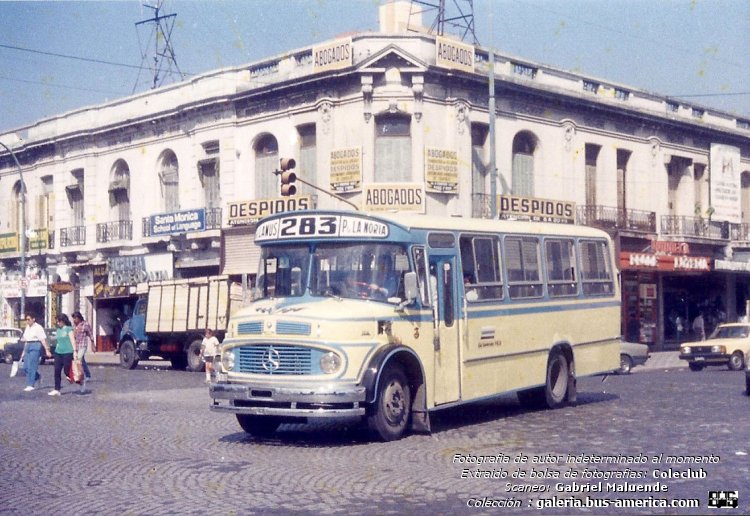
447 357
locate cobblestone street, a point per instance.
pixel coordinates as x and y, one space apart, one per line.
144 442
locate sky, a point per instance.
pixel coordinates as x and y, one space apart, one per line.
57 56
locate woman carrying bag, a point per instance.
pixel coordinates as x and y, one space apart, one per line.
34 340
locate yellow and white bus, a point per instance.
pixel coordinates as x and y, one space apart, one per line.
392 316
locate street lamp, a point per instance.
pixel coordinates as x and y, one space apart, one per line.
22 232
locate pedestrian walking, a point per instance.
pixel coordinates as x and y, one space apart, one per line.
699 327
34 340
63 351
209 349
83 338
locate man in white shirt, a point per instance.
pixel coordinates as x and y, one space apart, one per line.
34 339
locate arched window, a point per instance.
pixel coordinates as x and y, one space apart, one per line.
266 161
15 208
524 146
393 148
169 181
119 191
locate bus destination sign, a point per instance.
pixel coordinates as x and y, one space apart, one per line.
320 226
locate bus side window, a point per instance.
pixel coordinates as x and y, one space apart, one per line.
524 271
596 269
560 262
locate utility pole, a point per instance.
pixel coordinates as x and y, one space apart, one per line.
160 58
22 232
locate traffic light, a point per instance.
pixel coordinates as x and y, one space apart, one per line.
288 177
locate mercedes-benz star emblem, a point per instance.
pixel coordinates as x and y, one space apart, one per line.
271 360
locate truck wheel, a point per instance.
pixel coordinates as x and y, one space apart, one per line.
194 357
128 355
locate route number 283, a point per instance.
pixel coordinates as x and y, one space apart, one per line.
309 226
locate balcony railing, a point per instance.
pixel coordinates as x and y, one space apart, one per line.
75 235
609 217
694 227
112 231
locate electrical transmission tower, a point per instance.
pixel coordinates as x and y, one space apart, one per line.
457 16
157 54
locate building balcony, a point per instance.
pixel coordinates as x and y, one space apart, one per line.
113 231
609 218
695 227
75 235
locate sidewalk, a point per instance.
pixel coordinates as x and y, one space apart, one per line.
662 360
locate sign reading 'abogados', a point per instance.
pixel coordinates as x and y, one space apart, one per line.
454 54
394 196
333 55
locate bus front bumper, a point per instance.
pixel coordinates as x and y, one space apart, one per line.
327 401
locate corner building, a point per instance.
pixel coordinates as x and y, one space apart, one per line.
169 183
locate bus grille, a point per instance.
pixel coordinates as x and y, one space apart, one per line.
250 328
278 359
292 328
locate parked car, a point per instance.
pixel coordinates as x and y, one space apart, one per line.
13 350
727 345
631 355
8 336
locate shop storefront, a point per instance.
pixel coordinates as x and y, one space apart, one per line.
663 289
115 290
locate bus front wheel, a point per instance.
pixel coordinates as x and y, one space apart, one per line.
391 411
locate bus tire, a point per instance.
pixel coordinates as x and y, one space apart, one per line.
194 356
391 411
128 355
556 383
261 426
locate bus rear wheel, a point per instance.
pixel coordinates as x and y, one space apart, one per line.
554 393
391 411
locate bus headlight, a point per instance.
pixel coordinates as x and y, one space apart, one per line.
330 362
227 360
718 349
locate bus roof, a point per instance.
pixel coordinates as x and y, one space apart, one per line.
427 222
414 221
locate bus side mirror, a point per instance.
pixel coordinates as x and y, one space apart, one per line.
411 290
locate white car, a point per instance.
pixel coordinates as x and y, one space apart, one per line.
631 355
8 336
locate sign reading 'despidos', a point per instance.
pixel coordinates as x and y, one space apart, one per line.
178 222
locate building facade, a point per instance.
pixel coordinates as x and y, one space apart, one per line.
169 183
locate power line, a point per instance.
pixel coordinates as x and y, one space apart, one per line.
63 86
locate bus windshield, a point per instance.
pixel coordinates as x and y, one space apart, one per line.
345 270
